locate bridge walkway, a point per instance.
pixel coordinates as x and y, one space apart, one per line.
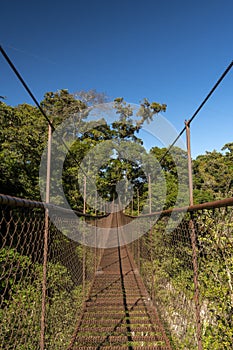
118 313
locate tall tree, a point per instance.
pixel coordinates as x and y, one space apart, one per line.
213 174
116 167
23 137
174 168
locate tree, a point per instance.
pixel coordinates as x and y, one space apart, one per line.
115 166
213 173
91 97
23 137
20 316
61 105
174 167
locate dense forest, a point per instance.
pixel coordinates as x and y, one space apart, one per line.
24 136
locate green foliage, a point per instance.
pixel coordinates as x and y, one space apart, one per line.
167 270
22 139
216 278
147 110
174 169
20 316
61 105
115 168
213 174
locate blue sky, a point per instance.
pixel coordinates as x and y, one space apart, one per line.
171 52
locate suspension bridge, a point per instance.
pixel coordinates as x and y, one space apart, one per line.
168 287
156 292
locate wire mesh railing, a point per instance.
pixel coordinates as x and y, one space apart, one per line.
186 267
188 271
70 267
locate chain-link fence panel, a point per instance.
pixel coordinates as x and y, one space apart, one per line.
29 319
188 271
215 275
21 257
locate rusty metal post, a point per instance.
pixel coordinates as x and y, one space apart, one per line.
193 239
84 270
45 254
84 247
195 279
44 282
138 257
151 261
150 239
149 193
96 260
190 174
138 198
84 194
138 242
150 211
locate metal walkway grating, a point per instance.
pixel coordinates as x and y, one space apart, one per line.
118 313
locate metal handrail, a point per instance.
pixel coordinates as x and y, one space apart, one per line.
27 203
192 208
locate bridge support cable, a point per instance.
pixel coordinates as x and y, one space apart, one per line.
227 70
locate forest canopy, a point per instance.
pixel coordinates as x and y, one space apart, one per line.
23 138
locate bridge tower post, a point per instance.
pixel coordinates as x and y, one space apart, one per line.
193 239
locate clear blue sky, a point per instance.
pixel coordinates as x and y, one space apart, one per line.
171 52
